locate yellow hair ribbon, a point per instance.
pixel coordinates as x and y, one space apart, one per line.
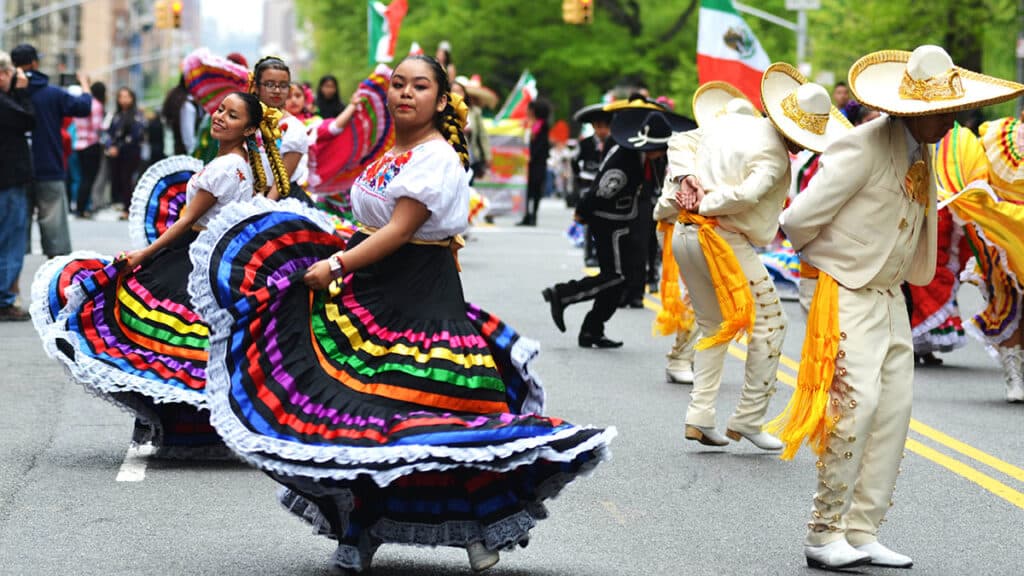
806 416
461 110
271 121
731 286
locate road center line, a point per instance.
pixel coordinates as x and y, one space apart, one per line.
133 469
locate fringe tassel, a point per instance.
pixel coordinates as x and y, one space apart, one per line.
806 416
735 300
675 314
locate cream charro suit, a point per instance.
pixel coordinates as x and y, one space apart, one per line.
743 164
857 223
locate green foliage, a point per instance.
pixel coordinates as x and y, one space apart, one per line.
574 65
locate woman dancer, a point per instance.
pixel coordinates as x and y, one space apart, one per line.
390 409
128 332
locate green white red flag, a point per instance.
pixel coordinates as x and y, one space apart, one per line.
383 24
728 50
519 98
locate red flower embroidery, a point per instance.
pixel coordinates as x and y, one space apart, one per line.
241 175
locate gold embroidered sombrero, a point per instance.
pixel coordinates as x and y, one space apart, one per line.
801 110
924 82
715 98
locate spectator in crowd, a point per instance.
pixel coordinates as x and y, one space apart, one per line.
89 149
182 115
124 148
328 99
16 119
46 194
537 168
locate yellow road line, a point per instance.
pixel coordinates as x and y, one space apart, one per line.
968 450
953 465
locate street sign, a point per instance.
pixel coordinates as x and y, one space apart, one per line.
803 4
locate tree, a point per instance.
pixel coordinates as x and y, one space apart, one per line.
653 40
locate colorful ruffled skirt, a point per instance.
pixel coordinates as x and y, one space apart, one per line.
389 408
133 339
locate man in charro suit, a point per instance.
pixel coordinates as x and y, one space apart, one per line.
866 223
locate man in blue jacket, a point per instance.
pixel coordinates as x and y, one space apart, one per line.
46 195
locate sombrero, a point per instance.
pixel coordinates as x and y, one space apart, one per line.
924 82
647 129
591 113
800 110
716 98
477 91
159 198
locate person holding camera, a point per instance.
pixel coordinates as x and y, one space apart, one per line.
16 119
46 193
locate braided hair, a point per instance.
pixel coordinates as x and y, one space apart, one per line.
451 121
269 130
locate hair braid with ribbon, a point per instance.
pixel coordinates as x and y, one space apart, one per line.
270 131
454 121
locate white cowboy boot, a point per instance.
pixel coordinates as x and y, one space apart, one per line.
480 557
1010 358
838 555
881 555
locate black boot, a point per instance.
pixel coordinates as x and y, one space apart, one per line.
588 340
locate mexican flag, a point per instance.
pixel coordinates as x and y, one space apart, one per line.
383 23
520 97
727 49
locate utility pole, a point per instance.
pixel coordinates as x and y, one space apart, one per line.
799 27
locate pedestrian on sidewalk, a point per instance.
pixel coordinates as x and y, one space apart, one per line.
16 120
866 223
124 148
728 183
89 148
537 115
47 196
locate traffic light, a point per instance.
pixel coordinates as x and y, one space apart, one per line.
176 13
578 11
161 15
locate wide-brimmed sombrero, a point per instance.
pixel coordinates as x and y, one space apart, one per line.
647 129
924 82
591 113
799 109
715 98
475 89
159 198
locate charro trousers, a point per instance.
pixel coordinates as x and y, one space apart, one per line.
871 396
765 345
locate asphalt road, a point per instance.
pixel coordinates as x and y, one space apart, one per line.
661 506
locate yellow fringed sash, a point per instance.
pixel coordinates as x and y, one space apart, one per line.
675 314
731 286
806 416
